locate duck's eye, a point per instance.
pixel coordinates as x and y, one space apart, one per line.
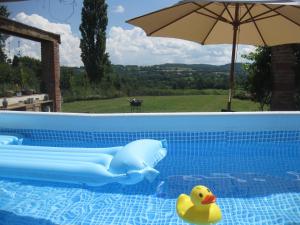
208 190
200 195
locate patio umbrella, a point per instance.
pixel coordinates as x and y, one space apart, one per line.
260 23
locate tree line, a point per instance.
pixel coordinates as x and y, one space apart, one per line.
24 73
139 81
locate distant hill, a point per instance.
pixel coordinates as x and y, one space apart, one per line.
171 67
202 67
179 68
164 79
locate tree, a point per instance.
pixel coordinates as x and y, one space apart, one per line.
65 78
259 80
3 12
15 61
93 42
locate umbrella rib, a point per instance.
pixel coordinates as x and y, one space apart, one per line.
148 14
248 10
225 5
261 14
261 18
217 20
212 12
283 16
256 27
174 21
295 6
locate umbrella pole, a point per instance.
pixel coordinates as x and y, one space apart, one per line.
232 66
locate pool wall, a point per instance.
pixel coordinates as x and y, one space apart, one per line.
102 130
154 122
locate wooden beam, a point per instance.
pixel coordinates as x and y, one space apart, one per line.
51 72
18 29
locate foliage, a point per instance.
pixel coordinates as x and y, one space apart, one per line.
138 80
5 13
148 80
259 82
242 95
23 74
93 41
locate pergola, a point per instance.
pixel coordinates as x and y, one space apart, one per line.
49 53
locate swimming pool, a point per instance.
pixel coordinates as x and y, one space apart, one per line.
251 161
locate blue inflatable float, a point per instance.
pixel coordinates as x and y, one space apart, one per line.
10 140
127 164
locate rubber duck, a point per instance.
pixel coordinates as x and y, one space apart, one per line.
199 207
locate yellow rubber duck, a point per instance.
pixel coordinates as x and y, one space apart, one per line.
199 207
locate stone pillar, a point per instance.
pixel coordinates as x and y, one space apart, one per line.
51 72
283 90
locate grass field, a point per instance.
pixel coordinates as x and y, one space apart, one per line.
184 103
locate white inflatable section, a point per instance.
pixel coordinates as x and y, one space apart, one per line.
127 164
10 140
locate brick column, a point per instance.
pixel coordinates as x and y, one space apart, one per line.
283 90
51 72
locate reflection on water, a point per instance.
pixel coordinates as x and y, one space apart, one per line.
226 185
255 183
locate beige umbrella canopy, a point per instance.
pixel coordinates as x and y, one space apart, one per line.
260 23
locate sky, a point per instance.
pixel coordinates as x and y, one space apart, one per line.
126 44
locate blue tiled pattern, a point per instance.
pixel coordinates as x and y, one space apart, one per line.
102 138
255 175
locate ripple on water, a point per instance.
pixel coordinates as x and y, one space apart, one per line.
254 189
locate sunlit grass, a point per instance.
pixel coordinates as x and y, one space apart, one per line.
184 103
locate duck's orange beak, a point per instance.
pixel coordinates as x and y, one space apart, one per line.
209 199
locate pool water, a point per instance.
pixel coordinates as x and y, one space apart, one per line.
256 181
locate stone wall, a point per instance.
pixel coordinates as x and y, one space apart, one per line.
283 63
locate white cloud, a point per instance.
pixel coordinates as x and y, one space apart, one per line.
125 46
16 46
119 9
69 47
132 46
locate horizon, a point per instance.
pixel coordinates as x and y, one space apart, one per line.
126 44
163 64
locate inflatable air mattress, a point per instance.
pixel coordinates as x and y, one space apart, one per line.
127 164
10 140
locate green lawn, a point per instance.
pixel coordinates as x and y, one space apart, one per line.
184 103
